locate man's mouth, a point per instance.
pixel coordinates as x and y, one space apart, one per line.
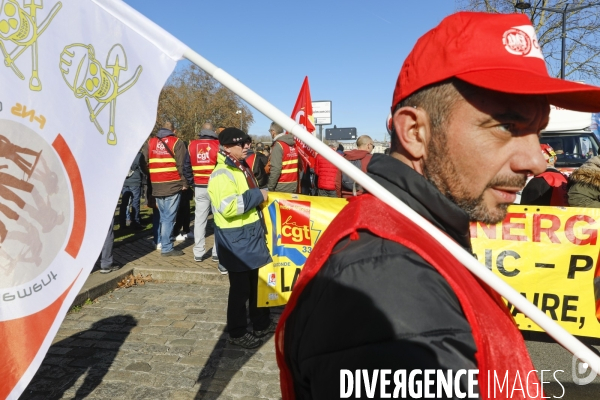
505 194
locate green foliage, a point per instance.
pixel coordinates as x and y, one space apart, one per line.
76 309
191 97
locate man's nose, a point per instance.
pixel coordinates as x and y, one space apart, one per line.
528 157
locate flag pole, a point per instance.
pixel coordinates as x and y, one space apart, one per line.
563 337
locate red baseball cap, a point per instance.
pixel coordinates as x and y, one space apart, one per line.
494 51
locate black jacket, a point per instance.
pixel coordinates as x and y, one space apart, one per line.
377 305
137 172
258 169
538 192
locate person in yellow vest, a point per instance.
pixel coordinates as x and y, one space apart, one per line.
284 161
203 156
166 155
240 231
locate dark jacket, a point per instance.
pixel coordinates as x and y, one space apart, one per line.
584 185
258 169
207 134
184 167
351 155
137 172
376 304
538 192
276 165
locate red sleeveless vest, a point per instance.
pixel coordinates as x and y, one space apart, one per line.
161 164
289 164
250 161
203 156
500 346
558 182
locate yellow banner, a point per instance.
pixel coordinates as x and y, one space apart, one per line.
294 223
548 254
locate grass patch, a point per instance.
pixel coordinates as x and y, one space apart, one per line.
76 309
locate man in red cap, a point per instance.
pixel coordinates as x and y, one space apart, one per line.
378 295
550 187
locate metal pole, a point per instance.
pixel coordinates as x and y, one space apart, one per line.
321 132
564 39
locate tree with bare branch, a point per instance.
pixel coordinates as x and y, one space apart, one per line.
191 97
582 61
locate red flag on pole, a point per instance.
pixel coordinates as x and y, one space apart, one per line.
303 115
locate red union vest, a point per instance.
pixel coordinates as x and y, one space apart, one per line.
161 164
289 164
500 346
558 182
203 156
250 161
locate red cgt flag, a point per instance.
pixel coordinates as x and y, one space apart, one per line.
303 115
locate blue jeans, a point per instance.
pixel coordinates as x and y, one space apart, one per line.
133 193
167 206
156 226
106 256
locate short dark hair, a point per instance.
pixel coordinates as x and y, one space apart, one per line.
437 100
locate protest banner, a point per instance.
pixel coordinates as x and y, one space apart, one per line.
80 91
549 255
294 223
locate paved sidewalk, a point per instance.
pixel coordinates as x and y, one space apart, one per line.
162 340
140 256
156 341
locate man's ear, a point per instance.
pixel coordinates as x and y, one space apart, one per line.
411 127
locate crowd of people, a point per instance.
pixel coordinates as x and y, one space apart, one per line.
225 172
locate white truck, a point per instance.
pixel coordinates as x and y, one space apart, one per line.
570 135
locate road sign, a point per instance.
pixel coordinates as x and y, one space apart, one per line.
340 133
322 112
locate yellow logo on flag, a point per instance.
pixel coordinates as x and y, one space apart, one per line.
89 79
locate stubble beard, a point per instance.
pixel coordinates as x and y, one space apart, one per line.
441 171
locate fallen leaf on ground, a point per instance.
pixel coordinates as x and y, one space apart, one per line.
134 280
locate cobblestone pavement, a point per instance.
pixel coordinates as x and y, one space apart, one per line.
157 341
142 253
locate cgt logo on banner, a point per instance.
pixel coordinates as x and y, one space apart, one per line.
64 63
549 255
295 223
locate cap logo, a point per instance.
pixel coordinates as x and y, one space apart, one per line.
522 41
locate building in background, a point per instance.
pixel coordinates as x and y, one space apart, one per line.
380 146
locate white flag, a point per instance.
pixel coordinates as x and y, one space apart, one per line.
79 95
